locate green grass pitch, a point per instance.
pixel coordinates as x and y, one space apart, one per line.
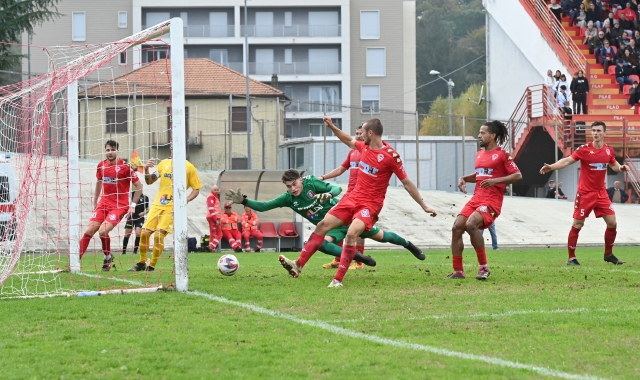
533 318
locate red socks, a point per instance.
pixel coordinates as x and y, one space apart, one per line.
314 243
106 244
482 256
84 243
609 239
573 241
457 263
348 253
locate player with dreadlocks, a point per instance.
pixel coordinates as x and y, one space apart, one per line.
494 170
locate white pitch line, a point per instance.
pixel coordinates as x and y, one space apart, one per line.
397 343
482 315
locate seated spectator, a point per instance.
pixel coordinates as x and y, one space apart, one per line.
556 9
229 222
607 56
562 82
616 33
622 74
634 95
633 47
563 99
625 39
596 45
636 36
611 19
629 13
589 33
551 191
616 194
616 4
250 229
593 16
579 17
620 53
625 24
566 111
631 60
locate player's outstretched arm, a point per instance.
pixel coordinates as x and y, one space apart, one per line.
415 194
236 196
334 173
342 135
561 164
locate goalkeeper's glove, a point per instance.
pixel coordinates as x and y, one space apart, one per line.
236 196
324 197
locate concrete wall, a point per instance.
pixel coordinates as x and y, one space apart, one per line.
518 56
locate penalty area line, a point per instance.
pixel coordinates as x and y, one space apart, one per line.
397 343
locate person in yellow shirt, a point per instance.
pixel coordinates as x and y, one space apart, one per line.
160 217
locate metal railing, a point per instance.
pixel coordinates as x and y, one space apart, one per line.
310 106
294 30
207 30
295 68
555 34
163 139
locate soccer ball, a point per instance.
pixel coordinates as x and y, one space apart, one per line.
228 265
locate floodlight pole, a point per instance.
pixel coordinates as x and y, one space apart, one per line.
450 84
246 65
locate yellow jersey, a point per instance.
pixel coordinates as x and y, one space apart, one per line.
164 198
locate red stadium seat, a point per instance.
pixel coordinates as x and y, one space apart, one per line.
268 230
626 88
634 78
583 31
287 230
611 70
615 49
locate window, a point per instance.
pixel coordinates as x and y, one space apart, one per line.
288 56
122 58
186 55
239 163
117 120
185 18
239 121
369 25
79 26
376 62
219 55
315 129
122 20
370 98
288 92
5 195
156 54
296 158
318 96
288 19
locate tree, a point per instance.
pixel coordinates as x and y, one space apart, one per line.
436 123
16 18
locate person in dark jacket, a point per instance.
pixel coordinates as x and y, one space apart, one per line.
622 74
634 95
607 56
551 191
616 194
579 90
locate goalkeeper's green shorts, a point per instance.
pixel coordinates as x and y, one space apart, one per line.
338 234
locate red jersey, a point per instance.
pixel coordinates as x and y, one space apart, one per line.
352 162
376 167
593 166
493 164
116 183
249 221
213 206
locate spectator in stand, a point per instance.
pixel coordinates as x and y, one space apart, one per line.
625 24
616 4
607 56
562 82
550 81
634 5
631 60
634 95
563 99
633 47
625 39
229 223
620 53
579 17
556 9
611 19
250 229
566 111
596 44
579 91
589 34
557 76
629 13
593 16
616 33
616 194
608 34
622 74
636 36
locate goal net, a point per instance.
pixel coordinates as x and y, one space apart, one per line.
53 130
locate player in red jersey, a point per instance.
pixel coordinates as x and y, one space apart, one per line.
360 208
494 170
592 195
114 183
213 217
351 162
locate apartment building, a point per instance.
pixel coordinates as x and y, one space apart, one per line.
350 59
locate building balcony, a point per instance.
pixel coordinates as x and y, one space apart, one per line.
206 31
295 68
295 30
313 106
164 139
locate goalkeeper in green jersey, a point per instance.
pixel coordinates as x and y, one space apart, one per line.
312 199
